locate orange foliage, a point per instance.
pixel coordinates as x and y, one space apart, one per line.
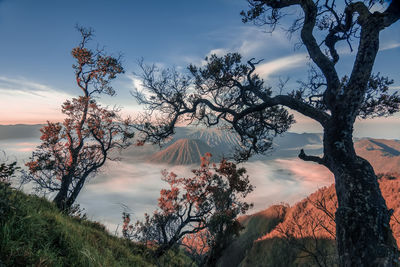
75 149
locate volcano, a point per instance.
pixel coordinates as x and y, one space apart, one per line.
183 152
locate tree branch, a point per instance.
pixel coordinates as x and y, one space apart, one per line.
316 159
327 67
391 14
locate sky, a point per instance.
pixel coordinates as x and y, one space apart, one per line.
37 36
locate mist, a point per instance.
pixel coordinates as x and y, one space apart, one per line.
133 185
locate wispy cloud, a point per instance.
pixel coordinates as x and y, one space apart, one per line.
135 82
389 46
252 42
25 101
22 84
248 41
281 64
265 70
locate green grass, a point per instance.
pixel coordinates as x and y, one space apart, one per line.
34 233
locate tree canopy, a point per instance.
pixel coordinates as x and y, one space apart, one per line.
227 92
75 149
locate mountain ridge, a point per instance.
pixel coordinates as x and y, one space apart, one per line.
183 152
383 154
300 230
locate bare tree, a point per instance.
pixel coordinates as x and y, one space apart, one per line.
75 149
229 93
196 246
209 201
310 229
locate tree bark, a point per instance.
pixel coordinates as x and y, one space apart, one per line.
162 249
61 198
71 199
363 233
214 255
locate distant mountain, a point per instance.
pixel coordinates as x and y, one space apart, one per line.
183 152
223 141
20 131
289 145
384 155
298 140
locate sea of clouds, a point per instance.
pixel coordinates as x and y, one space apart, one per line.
133 185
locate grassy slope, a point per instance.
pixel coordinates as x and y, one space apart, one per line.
34 233
255 226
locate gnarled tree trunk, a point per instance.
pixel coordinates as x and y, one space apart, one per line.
363 233
247 106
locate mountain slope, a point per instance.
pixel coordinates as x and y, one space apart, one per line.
221 140
306 233
33 232
384 155
183 152
255 226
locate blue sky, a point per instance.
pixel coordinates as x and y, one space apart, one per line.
37 37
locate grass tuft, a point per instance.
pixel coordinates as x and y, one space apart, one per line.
34 233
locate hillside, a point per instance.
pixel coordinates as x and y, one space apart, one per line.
384 155
183 152
255 225
34 233
306 232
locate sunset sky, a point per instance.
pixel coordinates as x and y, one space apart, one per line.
37 37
